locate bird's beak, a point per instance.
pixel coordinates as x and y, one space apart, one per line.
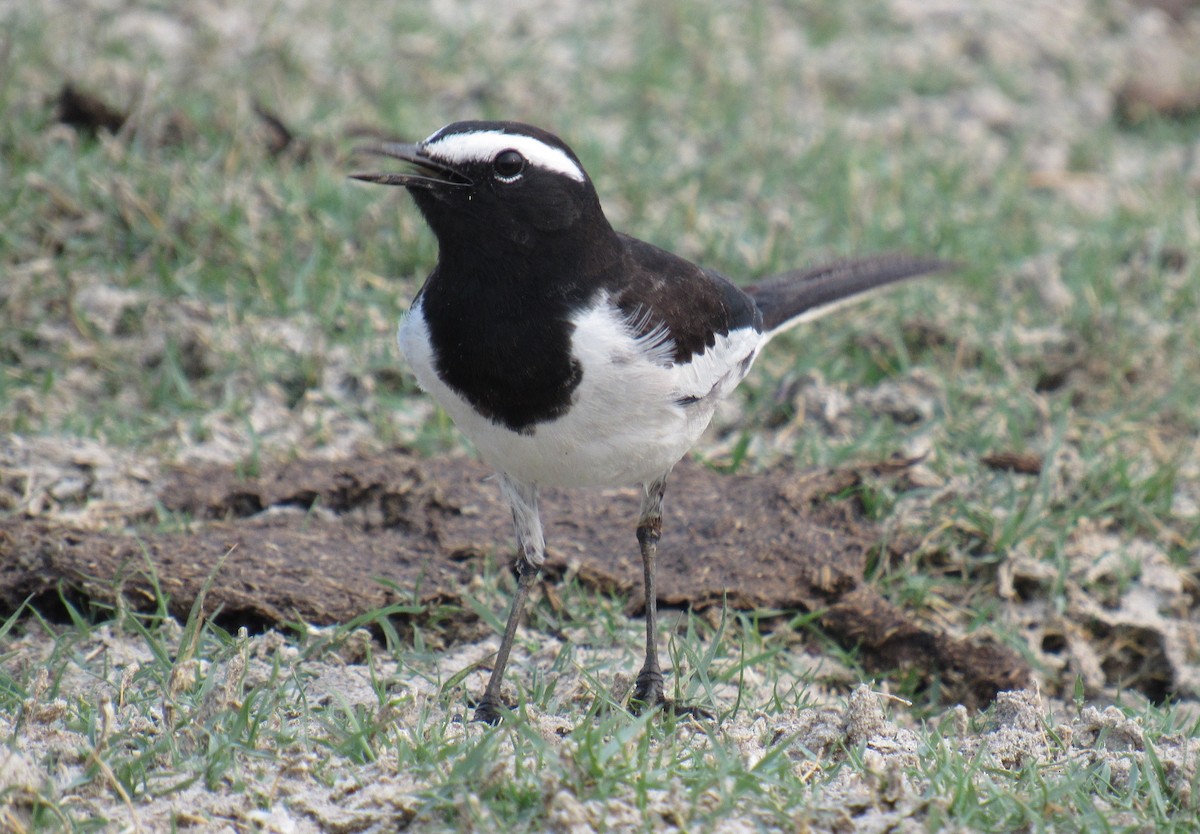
429 172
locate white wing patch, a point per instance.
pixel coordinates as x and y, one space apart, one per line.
711 375
483 145
604 338
655 343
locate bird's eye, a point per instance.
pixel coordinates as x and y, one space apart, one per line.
508 165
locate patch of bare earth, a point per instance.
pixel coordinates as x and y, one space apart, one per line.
326 542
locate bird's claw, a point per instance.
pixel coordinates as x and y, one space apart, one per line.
647 692
489 712
648 695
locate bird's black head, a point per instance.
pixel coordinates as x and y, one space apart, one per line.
483 184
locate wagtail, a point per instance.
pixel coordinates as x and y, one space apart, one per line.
573 355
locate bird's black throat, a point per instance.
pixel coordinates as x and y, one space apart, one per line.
500 326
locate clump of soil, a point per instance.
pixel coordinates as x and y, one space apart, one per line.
313 540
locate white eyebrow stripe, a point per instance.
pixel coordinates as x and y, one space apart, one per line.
483 145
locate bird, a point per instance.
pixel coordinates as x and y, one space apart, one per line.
574 355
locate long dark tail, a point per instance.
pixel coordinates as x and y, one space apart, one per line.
804 294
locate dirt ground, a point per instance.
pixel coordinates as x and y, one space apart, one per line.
778 540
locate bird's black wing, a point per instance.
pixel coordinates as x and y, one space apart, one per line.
657 289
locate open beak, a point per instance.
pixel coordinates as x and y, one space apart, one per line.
428 173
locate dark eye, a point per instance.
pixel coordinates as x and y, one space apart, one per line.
508 165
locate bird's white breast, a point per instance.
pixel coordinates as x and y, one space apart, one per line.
634 414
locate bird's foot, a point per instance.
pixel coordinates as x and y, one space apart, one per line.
689 710
489 711
648 694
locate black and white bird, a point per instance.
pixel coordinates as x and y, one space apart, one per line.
573 355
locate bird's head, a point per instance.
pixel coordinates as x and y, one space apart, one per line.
477 181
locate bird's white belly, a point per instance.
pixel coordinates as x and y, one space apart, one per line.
626 424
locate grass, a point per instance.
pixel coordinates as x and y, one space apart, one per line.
180 288
199 708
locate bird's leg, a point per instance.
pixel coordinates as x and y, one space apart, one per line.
531 549
648 690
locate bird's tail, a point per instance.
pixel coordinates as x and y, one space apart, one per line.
804 294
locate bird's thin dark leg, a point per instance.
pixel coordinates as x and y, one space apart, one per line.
488 710
531 546
648 690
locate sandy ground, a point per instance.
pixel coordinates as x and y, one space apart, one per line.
296 793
